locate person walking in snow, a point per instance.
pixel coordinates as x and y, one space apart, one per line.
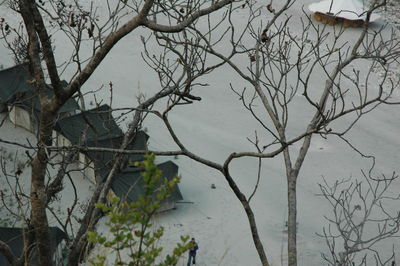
192 252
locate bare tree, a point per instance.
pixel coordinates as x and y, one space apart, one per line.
81 24
279 65
360 219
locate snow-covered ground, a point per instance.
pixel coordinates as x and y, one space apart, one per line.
219 125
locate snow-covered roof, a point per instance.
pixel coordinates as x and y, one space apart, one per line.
348 9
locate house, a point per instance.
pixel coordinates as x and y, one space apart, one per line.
96 127
91 125
20 98
91 128
96 161
352 13
12 80
24 110
14 238
129 184
139 142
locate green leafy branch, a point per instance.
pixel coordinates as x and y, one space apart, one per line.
130 223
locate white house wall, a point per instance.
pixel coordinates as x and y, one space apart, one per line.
90 173
63 141
54 137
20 117
11 114
58 253
87 167
82 161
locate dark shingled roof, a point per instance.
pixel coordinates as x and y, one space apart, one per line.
96 124
16 88
12 80
13 237
129 184
104 159
29 100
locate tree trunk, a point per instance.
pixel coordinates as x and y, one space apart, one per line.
38 195
292 218
250 216
254 232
